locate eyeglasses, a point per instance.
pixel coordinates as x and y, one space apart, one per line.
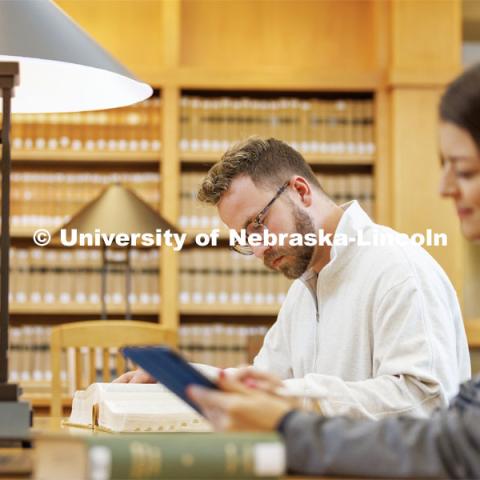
256 225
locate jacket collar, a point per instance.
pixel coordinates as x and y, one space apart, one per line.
353 219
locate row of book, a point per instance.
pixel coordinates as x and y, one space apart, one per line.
340 126
136 128
340 187
220 276
215 344
41 199
208 276
29 354
325 126
220 344
64 277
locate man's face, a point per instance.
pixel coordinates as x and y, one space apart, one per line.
243 201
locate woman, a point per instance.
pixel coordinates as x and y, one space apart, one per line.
445 445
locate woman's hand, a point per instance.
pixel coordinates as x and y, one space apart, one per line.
256 379
239 407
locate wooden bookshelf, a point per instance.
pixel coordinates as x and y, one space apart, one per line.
206 46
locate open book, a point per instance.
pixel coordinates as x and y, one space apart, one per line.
130 407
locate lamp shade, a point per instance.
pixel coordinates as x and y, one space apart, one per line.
62 69
117 210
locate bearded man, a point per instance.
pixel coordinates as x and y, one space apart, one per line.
367 330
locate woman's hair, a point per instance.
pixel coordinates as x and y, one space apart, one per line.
460 104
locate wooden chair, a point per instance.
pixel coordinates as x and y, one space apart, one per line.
104 335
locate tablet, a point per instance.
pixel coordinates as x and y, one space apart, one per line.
170 369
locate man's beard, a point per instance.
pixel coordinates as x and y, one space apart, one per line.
301 255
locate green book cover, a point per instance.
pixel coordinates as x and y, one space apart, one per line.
164 455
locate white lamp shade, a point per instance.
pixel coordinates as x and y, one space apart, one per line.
62 69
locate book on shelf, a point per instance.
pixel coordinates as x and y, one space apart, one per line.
128 129
63 279
29 354
213 276
217 344
183 455
45 199
338 126
340 186
129 407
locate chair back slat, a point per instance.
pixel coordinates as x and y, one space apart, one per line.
78 369
120 363
92 377
106 364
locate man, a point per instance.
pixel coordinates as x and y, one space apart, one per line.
370 331
447 444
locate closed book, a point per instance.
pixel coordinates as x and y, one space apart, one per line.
139 456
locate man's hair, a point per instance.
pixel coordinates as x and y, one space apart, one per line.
269 163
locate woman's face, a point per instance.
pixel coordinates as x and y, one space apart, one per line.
461 176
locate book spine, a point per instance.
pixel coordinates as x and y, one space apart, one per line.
231 455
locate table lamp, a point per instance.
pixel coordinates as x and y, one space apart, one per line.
47 64
116 210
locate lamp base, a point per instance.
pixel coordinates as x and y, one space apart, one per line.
15 416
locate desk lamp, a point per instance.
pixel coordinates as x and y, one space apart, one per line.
115 210
47 64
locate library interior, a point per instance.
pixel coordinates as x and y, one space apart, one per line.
138 138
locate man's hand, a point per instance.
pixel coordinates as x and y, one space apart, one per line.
240 407
135 376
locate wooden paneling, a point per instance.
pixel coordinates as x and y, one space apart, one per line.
471 282
170 207
416 172
241 34
131 30
426 38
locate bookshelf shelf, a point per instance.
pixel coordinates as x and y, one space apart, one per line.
72 309
94 156
229 309
315 159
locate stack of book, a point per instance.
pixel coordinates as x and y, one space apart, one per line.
129 129
29 353
42 199
219 276
71 278
324 126
218 344
341 187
